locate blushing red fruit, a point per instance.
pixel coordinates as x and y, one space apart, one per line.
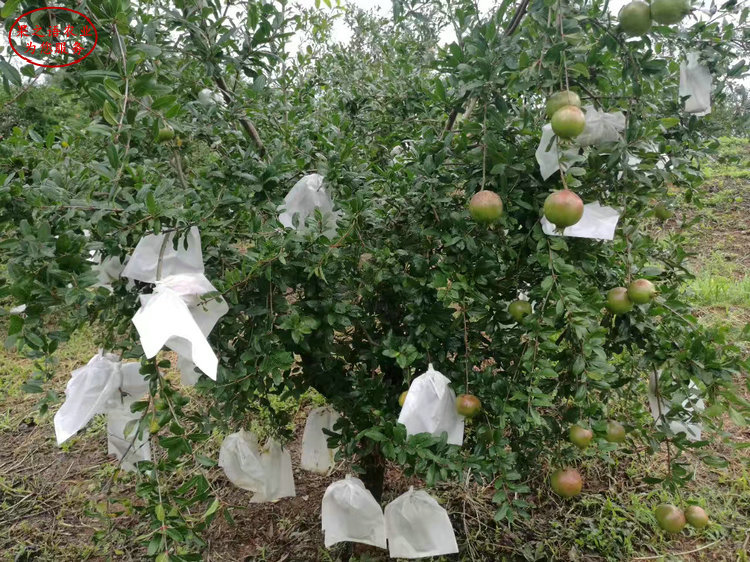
468 405
566 483
519 309
486 206
641 291
558 100
568 122
618 301
669 11
615 432
580 436
402 398
670 518
696 516
635 18
563 208
662 212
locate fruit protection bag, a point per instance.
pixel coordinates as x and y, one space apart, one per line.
143 265
691 403
430 407
122 439
267 472
316 456
597 222
601 127
695 81
178 313
350 513
87 394
417 527
551 160
302 200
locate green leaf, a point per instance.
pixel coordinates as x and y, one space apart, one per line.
10 73
9 8
109 113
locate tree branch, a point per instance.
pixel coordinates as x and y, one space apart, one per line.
515 22
244 121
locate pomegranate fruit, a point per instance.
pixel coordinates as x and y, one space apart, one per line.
563 208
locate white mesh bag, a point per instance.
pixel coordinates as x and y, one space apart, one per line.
87 394
350 513
417 527
316 456
430 407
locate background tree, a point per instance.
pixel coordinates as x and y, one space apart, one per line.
408 278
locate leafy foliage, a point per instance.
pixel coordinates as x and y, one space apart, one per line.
409 279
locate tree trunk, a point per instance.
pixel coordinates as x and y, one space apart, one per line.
374 465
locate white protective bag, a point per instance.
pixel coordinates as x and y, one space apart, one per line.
176 315
695 81
144 263
601 127
88 392
417 527
692 431
551 160
316 456
350 513
430 407
123 441
267 472
597 222
302 200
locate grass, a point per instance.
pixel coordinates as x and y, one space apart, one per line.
52 503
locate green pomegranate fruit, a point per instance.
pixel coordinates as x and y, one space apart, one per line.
669 11
486 206
580 436
641 291
519 309
662 212
618 301
563 208
566 483
635 18
165 134
696 516
568 122
468 405
615 432
402 398
670 518
559 100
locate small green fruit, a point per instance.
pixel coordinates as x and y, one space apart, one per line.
468 405
165 134
559 100
566 483
563 208
580 436
641 291
486 206
662 212
670 518
519 309
669 11
618 301
696 516
615 432
402 398
635 18
568 122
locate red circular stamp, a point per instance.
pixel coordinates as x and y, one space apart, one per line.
54 42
